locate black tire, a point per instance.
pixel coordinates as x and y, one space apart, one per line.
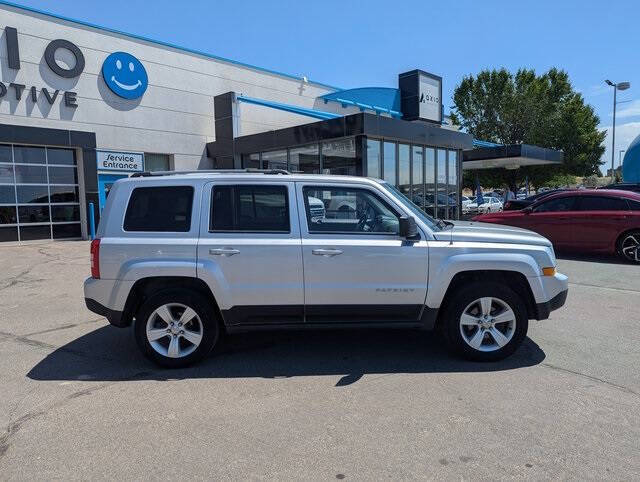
453 310
636 234
203 308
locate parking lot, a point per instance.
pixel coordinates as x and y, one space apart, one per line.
78 401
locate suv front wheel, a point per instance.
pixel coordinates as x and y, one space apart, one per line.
176 328
485 322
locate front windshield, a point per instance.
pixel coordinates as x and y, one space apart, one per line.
434 224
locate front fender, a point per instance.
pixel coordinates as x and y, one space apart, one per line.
442 273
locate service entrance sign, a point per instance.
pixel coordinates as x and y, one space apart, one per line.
120 161
421 96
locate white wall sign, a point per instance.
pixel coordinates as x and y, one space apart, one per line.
430 103
120 161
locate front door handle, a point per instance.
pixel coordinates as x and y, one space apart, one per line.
327 252
223 251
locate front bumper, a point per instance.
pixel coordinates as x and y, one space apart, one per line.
543 310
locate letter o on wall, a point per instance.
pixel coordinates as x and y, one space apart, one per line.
49 57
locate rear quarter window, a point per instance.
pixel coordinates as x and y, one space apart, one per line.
159 209
634 205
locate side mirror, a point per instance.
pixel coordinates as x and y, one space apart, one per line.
527 210
408 227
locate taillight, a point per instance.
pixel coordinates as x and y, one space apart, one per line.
95 258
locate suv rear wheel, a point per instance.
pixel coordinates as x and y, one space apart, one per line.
485 322
176 328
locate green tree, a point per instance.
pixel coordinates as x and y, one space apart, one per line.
525 108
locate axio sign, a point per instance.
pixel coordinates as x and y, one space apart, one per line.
120 161
430 104
122 72
421 96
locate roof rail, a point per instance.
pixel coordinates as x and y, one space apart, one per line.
211 171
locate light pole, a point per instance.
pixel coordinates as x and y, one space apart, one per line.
616 87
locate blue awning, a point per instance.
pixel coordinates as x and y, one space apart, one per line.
317 114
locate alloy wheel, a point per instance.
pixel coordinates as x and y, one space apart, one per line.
487 324
630 247
174 330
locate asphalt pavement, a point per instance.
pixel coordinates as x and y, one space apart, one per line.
77 400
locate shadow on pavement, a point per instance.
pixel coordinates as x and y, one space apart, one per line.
110 354
593 258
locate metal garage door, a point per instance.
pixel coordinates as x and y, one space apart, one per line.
39 193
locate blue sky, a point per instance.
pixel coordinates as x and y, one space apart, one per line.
367 43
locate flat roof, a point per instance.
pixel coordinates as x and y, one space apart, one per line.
348 126
510 156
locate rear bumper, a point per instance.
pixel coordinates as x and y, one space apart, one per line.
108 298
544 309
114 317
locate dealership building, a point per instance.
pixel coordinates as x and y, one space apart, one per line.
82 106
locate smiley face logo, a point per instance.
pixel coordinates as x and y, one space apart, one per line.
125 75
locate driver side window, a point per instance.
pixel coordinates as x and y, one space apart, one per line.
555 205
348 211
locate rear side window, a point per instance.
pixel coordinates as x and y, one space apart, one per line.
250 209
634 205
598 203
160 209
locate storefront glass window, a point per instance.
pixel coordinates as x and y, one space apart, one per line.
305 159
7 194
443 202
156 162
251 161
452 184
6 173
63 175
389 169
31 174
275 160
29 155
5 153
339 157
39 196
373 158
417 179
61 156
404 169
429 179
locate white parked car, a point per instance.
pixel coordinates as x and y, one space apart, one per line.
490 205
470 207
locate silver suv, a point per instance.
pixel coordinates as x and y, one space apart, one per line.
187 257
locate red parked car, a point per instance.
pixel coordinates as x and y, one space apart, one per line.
603 221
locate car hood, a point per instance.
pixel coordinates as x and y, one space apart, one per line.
471 231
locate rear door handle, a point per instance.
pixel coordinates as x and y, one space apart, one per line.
326 252
223 251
